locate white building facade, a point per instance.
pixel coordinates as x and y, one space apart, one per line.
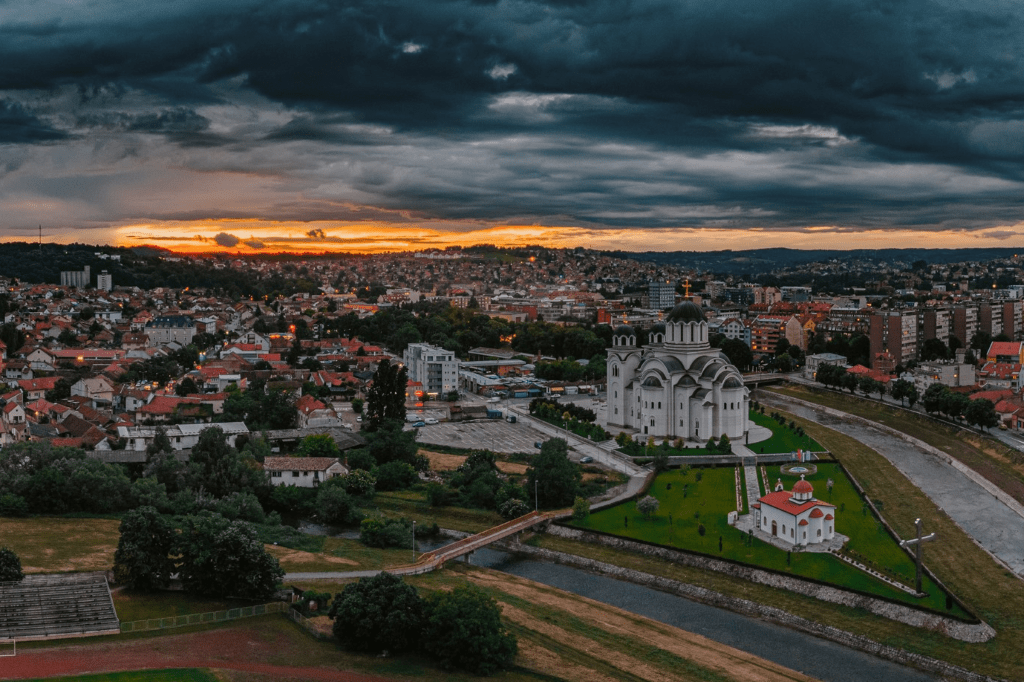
677 386
795 516
435 368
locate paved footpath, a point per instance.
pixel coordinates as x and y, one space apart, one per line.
995 526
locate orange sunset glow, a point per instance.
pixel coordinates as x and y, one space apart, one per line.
259 236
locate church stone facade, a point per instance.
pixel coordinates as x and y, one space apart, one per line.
677 386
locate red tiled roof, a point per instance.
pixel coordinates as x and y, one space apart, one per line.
1004 348
803 522
828 517
816 514
781 500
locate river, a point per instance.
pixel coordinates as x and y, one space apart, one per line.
816 657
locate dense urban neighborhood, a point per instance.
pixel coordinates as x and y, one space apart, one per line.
339 437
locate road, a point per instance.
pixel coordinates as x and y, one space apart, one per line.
991 523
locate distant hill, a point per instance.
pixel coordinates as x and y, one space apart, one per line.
757 261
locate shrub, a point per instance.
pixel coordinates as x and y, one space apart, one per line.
381 532
10 566
13 505
439 495
335 506
395 475
462 629
580 509
377 614
513 509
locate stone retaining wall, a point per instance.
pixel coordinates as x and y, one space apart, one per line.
951 627
746 607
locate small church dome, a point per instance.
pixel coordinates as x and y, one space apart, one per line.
732 382
624 330
658 328
687 311
803 486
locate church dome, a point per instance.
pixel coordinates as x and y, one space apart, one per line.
624 330
803 486
687 311
658 328
732 382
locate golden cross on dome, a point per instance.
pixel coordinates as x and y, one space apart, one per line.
686 287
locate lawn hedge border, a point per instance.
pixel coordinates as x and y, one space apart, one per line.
975 620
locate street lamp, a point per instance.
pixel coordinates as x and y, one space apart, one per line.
414 541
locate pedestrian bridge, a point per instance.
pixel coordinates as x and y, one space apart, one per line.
437 558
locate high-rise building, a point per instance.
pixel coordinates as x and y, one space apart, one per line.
104 281
661 294
75 278
435 368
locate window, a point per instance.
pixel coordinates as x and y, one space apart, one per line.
652 421
295 474
659 404
805 535
616 394
616 410
275 474
819 532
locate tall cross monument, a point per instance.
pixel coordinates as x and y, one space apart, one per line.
917 549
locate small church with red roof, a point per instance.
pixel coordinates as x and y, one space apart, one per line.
795 516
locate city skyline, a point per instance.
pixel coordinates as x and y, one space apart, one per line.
293 126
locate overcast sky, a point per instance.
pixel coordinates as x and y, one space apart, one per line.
674 124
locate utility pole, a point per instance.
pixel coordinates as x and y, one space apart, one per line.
414 542
917 549
536 500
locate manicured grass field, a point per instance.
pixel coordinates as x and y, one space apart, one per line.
689 502
783 438
175 675
143 605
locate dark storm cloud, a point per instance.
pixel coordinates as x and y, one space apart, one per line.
19 126
645 113
225 239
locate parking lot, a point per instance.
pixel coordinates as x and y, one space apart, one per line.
496 435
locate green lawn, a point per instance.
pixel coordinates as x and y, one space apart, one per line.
783 438
689 502
144 605
174 675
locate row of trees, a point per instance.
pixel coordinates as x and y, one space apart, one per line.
980 412
459 628
213 556
936 399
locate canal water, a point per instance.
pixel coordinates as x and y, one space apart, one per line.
818 658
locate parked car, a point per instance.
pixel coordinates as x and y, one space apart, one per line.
586 459
538 445
430 420
359 418
418 425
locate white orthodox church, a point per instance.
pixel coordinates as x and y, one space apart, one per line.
677 386
795 516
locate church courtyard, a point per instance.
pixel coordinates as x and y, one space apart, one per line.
695 498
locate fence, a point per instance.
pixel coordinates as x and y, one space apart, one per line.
203 618
308 625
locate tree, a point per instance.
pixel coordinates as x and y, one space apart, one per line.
648 506
222 470
225 559
739 353
376 614
955 404
395 475
462 629
294 353
580 509
784 363
555 477
900 389
385 399
161 443
848 381
335 506
391 443
357 482
10 566
186 386
934 398
981 413
318 445
357 405
934 349
143 557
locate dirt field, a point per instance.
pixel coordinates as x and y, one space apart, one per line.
53 545
620 635
440 461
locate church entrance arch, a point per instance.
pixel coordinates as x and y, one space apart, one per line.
775 528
